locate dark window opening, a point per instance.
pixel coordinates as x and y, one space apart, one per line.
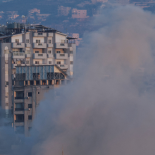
19 83
50 82
19 95
29 94
57 75
50 76
36 76
38 92
62 76
26 83
19 106
21 76
31 82
30 117
19 118
57 82
37 82
37 41
44 82
29 105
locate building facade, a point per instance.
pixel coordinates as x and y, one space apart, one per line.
34 59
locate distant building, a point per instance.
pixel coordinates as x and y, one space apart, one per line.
33 61
35 10
103 1
63 11
12 14
78 39
42 17
145 4
79 13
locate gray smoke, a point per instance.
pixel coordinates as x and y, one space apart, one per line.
109 107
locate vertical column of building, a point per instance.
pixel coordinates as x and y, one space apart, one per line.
6 82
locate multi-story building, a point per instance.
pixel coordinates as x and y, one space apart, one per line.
79 13
33 60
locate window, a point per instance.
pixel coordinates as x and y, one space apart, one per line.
19 106
49 41
40 33
6 83
71 62
36 62
49 52
38 92
16 40
29 94
50 62
58 51
36 76
44 82
57 82
58 62
37 82
30 117
27 62
19 95
36 51
19 118
31 83
29 105
27 40
26 83
37 41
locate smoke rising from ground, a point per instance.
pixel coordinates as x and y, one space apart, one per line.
109 107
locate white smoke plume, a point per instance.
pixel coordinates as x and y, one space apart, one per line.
109 108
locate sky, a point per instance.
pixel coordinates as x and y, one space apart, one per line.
109 106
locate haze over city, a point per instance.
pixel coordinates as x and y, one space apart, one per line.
77 77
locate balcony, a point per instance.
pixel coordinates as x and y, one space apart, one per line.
19 123
28 45
19 55
50 45
71 48
61 56
39 55
18 45
50 34
14 65
28 54
50 55
19 111
61 45
40 34
63 66
39 45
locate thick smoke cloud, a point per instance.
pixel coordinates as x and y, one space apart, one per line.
109 106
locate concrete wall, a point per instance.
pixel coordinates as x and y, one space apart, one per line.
59 38
13 38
